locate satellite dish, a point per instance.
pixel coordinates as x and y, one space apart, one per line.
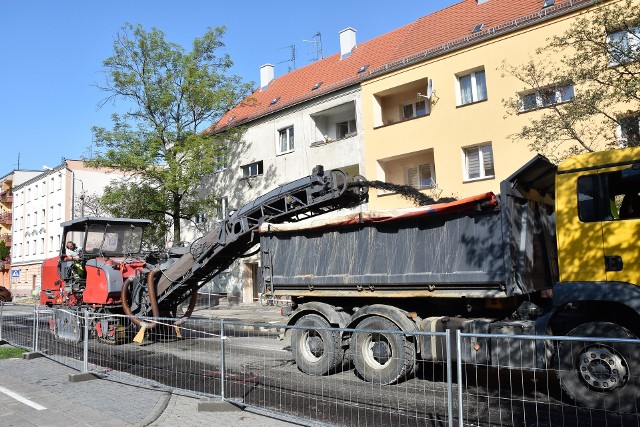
429 89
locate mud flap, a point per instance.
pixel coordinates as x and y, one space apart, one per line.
67 325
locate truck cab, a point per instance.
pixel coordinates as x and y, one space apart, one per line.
598 221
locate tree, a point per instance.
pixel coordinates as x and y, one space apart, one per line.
5 252
171 96
595 67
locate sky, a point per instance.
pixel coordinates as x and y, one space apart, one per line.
51 55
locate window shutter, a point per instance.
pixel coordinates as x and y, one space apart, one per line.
412 177
487 160
425 176
473 163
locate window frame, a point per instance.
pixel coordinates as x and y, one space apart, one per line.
542 95
351 129
482 172
473 82
419 168
289 142
247 169
623 138
628 48
414 109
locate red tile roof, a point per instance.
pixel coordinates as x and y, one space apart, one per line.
428 36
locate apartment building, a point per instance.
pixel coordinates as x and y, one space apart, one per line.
436 120
40 205
421 105
7 182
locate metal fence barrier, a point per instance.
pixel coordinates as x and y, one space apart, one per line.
253 364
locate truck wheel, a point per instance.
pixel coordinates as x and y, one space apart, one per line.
600 375
382 358
316 352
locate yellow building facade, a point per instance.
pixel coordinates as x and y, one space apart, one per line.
442 123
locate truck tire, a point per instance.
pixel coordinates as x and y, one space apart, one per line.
600 375
382 358
316 350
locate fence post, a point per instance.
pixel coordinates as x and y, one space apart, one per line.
449 378
459 365
36 321
85 346
33 329
222 362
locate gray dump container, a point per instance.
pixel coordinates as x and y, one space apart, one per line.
482 247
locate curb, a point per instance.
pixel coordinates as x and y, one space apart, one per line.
157 410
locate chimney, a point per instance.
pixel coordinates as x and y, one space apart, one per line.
266 75
347 42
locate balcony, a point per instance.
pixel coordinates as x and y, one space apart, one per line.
7 239
6 197
6 218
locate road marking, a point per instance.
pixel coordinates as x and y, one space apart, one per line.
19 398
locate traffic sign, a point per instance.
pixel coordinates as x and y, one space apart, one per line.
15 274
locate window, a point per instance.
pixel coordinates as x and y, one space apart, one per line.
221 160
546 97
478 162
52 185
42 245
345 129
220 209
285 140
35 193
43 216
609 196
252 169
624 46
472 87
200 218
43 188
51 214
548 3
59 211
629 130
414 109
420 177
34 247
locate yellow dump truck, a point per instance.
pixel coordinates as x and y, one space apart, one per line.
555 253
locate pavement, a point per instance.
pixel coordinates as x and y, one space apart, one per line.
43 392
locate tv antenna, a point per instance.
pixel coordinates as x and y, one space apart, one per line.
292 59
316 40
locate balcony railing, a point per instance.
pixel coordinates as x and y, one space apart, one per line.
6 197
6 218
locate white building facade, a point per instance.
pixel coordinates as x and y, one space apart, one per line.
40 205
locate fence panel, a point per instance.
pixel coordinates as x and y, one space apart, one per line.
530 378
490 380
17 324
261 371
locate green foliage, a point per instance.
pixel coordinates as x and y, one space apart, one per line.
172 96
4 250
605 73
